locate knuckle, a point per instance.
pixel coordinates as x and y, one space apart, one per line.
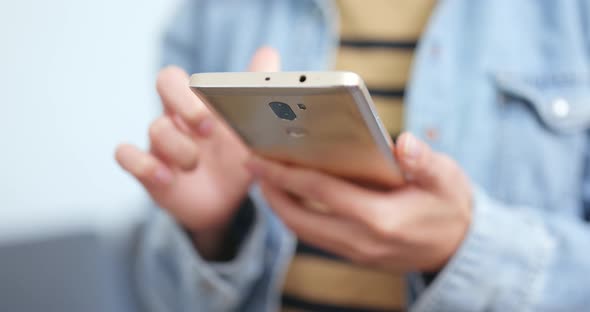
316 191
158 127
195 114
370 254
144 168
191 158
315 185
386 228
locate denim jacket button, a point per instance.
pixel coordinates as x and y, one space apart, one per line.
435 51
560 107
431 134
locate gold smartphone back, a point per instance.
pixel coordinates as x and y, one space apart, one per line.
320 120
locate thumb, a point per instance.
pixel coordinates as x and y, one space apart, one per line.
422 165
266 59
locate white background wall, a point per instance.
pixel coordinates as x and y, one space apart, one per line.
76 77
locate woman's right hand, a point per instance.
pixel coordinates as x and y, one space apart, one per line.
195 166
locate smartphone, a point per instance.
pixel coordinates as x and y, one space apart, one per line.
320 120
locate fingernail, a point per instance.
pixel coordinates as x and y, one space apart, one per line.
411 148
255 167
163 175
205 127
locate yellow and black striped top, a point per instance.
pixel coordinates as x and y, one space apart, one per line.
378 39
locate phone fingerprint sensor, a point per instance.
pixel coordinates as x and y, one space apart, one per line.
296 132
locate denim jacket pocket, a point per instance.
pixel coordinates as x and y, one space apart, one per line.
542 125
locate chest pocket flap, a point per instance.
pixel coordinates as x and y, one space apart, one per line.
561 102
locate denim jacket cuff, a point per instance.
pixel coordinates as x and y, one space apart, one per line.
501 262
248 263
171 273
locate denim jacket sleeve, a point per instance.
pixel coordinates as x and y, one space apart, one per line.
514 260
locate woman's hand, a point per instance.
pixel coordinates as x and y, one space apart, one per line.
194 168
418 226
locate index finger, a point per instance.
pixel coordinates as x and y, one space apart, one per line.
334 195
173 87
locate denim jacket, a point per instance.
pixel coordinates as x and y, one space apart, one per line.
504 86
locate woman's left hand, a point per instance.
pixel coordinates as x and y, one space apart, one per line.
416 227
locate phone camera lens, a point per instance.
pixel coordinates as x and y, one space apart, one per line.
302 78
282 110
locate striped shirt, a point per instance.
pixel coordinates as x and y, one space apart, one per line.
378 39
